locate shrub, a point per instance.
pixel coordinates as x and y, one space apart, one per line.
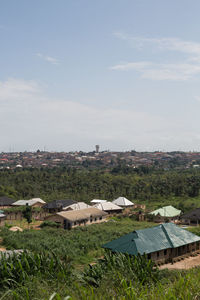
50 224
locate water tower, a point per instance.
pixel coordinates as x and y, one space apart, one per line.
97 148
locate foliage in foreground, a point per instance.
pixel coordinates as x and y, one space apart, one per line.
19 267
114 277
130 267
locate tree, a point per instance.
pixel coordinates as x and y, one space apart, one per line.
27 213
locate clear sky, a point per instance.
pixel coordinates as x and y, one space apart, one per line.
124 74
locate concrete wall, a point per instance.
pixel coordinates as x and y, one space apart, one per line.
2 221
189 222
168 254
69 225
17 215
111 212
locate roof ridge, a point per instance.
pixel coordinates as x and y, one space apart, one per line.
167 235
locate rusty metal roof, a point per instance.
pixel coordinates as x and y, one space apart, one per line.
153 239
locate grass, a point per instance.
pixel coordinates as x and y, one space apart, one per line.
82 244
23 223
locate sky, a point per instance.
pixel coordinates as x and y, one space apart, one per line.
124 74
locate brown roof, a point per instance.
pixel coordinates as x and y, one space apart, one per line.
82 214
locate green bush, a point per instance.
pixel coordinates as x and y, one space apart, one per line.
50 224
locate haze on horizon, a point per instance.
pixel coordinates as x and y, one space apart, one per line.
121 74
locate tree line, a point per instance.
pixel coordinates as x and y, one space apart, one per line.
61 182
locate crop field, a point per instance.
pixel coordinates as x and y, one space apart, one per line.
81 244
60 264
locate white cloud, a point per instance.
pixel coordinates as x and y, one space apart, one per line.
50 59
187 69
173 44
154 71
17 89
29 120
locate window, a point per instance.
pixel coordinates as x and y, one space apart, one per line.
158 254
149 256
95 219
165 252
100 218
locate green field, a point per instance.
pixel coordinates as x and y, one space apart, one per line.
59 267
82 244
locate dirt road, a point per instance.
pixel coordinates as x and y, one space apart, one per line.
187 263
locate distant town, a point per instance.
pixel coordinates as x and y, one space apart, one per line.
100 159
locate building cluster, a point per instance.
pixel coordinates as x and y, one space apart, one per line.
66 213
98 159
164 243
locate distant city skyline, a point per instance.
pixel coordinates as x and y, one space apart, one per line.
120 74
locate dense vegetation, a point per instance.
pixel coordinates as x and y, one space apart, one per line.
147 185
55 264
45 274
81 244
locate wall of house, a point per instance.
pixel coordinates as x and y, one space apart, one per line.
38 204
94 220
2 221
5 206
190 222
111 212
11 215
141 206
17 215
69 224
167 254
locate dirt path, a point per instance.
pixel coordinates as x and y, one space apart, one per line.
185 264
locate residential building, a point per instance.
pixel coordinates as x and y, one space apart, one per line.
109 207
35 202
192 217
123 202
6 202
57 205
71 219
165 213
77 206
161 243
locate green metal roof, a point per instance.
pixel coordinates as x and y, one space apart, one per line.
153 239
166 211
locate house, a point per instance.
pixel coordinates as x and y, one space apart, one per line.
35 202
2 218
161 243
165 213
57 205
77 206
109 207
95 201
123 202
192 217
6 202
74 218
